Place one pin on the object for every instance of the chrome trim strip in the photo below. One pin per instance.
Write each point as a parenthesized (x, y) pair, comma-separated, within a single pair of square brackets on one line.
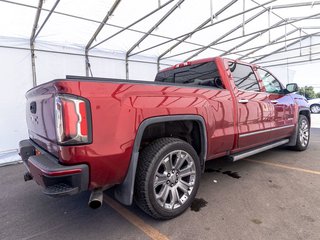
[(264, 131)]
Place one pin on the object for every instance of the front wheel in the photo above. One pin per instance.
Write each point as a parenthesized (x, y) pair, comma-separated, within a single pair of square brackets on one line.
[(303, 134), (167, 178)]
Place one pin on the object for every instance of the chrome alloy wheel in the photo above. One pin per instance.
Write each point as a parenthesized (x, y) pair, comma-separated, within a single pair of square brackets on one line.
[(304, 133), (174, 179), (315, 109)]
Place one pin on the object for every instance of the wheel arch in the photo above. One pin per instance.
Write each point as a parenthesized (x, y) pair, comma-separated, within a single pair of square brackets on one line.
[(306, 112), (303, 111), (124, 192)]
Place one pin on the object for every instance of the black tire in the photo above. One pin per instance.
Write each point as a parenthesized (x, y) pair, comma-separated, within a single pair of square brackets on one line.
[(303, 134), (315, 108), (153, 161)]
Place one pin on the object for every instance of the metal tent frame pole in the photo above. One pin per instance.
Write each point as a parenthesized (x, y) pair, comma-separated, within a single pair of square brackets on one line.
[(34, 29), (94, 21), (96, 33), (229, 51), (98, 22), (296, 62), (260, 5), (205, 27), (238, 37), (277, 7), (128, 53), (34, 35), (302, 4), (275, 43), (287, 58), (231, 39), (288, 50), (279, 49), (45, 21), (182, 38), (226, 34), (197, 28), (79, 54), (270, 43), (132, 24)]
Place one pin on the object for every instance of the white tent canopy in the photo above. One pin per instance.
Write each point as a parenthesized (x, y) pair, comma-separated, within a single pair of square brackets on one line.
[(43, 40)]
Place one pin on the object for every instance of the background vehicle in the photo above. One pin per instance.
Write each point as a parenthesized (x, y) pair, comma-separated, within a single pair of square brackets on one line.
[(314, 105), (151, 139)]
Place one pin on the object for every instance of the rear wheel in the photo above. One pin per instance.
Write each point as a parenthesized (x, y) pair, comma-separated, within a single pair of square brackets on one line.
[(303, 134), (315, 108), (167, 179)]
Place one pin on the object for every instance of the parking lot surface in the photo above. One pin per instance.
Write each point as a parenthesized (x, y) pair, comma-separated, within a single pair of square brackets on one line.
[(272, 195)]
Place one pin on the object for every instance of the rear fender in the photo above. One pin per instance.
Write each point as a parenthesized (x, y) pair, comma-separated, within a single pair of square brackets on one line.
[(124, 191)]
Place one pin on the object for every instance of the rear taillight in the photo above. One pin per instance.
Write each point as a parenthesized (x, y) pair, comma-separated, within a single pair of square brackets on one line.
[(72, 118)]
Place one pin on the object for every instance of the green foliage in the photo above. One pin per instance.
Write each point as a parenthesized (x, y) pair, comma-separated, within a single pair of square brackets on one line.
[(308, 92), (318, 95)]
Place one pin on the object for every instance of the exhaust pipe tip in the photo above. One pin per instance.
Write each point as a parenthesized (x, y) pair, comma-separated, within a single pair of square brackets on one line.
[(95, 204), (96, 198)]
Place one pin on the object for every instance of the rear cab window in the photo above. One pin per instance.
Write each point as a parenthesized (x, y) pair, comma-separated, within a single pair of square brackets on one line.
[(201, 74), (243, 77)]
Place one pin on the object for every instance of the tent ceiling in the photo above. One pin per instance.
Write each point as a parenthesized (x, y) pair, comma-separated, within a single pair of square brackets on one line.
[(168, 29)]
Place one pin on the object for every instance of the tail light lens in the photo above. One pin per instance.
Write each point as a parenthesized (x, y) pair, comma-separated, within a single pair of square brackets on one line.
[(73, 120)]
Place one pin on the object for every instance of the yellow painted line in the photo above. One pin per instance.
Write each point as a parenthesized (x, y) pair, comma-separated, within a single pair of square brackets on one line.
[(135, 220), (284, 166)]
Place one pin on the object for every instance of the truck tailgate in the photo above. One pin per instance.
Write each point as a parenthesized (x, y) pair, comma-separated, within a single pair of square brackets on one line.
[(40, 116)]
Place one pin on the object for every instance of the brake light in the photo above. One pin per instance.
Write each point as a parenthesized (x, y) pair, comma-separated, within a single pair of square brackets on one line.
[(179, 65), (72, 120)]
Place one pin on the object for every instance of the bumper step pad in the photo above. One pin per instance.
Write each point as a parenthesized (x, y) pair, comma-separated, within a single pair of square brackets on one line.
[(60, 189)]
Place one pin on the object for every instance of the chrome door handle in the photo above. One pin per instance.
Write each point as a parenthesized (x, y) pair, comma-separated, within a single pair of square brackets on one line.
[(274, 101), (243, 101)]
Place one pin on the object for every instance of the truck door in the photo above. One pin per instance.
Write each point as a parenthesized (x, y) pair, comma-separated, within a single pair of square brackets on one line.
[(282, 108), (253, 106)]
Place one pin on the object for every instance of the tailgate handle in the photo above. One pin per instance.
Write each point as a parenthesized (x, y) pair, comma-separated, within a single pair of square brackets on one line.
[(243, 101), (33, 107)]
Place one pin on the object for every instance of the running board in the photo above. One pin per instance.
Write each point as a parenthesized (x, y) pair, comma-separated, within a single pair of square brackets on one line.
[(248, 153)]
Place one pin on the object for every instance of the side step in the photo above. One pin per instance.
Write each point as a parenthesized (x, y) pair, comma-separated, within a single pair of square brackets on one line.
[(248, 153)]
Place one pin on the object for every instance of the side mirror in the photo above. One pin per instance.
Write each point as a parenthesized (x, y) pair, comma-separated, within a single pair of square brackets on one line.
[(292, 87)]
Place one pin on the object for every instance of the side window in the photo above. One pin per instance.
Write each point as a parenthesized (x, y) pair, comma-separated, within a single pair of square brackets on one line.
[(243, 76), (271, 84)]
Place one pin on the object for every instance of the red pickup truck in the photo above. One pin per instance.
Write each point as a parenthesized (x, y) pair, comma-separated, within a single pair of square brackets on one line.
[(151, 140)]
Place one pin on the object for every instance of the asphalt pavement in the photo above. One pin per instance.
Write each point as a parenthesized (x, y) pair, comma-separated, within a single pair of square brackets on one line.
[(272, 195)]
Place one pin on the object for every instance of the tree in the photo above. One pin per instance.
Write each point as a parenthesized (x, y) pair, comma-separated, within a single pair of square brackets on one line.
[(318, 95), (307, 91)]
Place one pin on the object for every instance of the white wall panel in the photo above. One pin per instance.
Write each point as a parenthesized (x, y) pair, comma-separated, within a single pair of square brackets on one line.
[(108, 68), (16, 79), (142, 71), (51, 66)]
